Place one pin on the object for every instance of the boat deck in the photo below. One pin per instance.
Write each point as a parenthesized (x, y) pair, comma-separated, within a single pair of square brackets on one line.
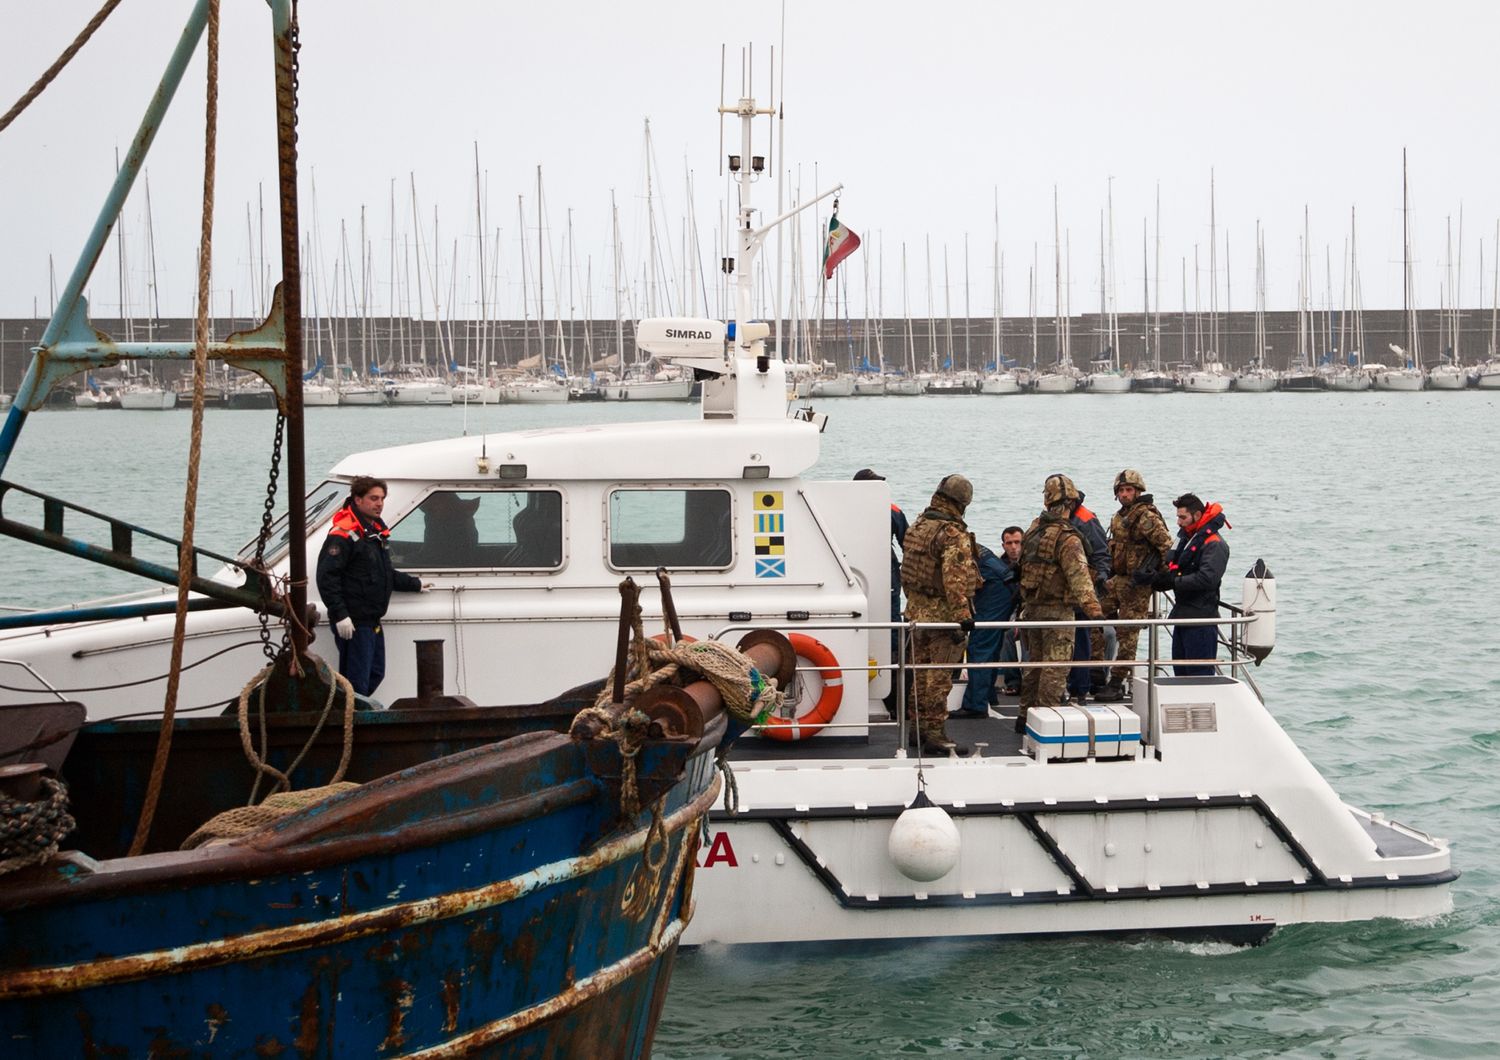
[(997, 732)]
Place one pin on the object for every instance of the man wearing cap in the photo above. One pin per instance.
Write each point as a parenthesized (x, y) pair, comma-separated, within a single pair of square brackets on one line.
[(1054, 582), (940, 572), (899, 526), (1138, 545)]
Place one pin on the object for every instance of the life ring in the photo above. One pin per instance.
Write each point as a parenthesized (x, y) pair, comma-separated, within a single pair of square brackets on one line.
[(810, 724)]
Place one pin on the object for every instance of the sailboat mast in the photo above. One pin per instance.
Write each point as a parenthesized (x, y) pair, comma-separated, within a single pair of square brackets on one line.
[(541, 327)]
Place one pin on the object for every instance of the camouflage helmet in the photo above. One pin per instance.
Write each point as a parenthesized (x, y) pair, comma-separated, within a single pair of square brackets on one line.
[(957, 489), (1130, 477), (1059, 489)]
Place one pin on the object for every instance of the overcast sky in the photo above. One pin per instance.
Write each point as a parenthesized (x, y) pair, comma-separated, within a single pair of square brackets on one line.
[(929, 113)]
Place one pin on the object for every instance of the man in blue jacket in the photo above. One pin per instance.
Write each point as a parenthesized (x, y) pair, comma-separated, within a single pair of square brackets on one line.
[(1193, 573), (995, 601), (356, 578)]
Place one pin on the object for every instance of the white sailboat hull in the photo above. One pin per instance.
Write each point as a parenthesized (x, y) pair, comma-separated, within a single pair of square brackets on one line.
[(841, 385), (1000, 383), (1055, 383), (148, 398), (1489, 377), (536, 393), (1108, 383), (903, 386), (869, 386), (1350, 381), (1447, 377), (649, 390), (423, 393), (363, 395), (1399, 379), (1254, 382), (319, 396), (1207, 383)]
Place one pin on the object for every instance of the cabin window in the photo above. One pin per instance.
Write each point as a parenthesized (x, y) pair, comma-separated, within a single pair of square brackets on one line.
[(481, 530), (673, 528)]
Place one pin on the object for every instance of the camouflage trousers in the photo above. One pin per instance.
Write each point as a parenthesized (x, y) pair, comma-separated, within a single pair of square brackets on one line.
[(1044, 687), (930, 688), (1125, 599)]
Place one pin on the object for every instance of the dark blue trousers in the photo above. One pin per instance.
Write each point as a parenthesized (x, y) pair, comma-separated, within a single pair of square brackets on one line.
[(1194, 642), (1078, 677), (362, 657), (984, 647)]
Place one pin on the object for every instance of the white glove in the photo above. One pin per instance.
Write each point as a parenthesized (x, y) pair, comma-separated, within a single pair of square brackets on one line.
[(344, 627), (426, 587)]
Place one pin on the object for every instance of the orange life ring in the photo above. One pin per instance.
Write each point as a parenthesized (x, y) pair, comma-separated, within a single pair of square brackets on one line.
[(811, 723)]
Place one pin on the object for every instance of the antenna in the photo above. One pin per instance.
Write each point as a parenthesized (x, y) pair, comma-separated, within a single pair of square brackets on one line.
[(722, 49), (770, 140)]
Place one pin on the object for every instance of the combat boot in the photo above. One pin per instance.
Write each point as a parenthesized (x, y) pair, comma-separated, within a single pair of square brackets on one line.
[(1113, 692)]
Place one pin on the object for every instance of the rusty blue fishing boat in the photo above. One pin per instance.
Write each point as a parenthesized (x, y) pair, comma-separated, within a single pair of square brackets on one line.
[(439, 878)]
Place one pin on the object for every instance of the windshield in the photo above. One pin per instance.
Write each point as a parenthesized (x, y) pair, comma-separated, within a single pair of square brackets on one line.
[(322, 502)]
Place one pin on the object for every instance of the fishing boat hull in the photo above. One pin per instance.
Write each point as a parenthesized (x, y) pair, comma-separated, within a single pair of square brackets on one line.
[(492, 901)]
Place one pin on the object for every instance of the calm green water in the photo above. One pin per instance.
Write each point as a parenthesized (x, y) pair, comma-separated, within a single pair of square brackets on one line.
[(1380, 518)]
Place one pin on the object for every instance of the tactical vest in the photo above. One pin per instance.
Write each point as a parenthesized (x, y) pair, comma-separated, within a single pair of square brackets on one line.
[(1130, 546), (1042, 580), (922, 556)]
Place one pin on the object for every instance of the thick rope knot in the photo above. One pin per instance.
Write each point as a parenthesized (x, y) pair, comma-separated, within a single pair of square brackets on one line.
[(31, 831)]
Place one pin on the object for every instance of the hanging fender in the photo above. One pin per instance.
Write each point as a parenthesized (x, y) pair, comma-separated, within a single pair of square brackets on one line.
[(816, 653)]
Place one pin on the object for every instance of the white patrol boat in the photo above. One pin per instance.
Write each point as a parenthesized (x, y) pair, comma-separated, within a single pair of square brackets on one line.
[(1189, 812)]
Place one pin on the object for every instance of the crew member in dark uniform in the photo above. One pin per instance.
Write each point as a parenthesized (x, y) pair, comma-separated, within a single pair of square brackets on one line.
[(356, 578), (1194, 570)]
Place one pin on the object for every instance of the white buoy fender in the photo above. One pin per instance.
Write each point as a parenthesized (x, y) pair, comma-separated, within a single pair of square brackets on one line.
[(924, 841), (1259, 601)]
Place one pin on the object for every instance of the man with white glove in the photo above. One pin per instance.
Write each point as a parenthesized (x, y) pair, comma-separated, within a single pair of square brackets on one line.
[(356, 579)]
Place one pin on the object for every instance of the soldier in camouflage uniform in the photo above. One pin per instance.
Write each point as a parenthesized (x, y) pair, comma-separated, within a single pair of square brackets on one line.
[(1054, 581), (939, 573), (1138, 545)]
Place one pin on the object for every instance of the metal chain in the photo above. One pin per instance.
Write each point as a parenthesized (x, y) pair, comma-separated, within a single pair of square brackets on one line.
[(267, 516), (266, 588)]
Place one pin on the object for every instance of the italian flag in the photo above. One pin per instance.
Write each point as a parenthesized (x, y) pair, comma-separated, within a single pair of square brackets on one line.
[(841, 243)]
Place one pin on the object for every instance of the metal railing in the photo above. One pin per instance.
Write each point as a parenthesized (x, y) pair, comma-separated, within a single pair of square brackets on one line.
[(1152, 663)]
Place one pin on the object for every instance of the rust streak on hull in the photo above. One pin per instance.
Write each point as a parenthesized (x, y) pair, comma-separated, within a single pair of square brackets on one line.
[(37, 982)]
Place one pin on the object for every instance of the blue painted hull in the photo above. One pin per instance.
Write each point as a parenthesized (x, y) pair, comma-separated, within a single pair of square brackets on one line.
[(489, 901)]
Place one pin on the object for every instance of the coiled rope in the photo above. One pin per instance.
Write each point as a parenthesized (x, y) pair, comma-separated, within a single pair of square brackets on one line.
[(31, 831)]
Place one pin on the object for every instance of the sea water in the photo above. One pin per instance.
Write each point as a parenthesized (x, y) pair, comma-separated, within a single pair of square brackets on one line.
[(1378, 515)]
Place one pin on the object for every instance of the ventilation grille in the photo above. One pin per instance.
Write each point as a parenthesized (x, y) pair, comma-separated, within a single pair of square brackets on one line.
[(1190, 717)]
